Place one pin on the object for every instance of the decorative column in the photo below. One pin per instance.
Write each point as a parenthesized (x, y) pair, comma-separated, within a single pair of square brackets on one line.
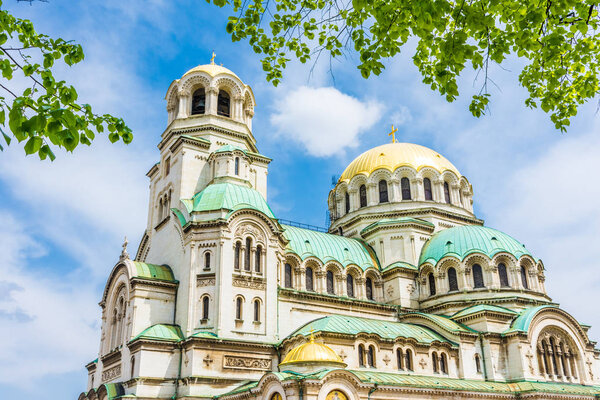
[(319, 284), (184, 105), (419, 191), (372, 198), (249, 113), (438, 191), (341, 287), (212, 94), (354, 201), (378, 288), (465, 277), (359, 288), (238, 108), (394, 194), (455, 193)]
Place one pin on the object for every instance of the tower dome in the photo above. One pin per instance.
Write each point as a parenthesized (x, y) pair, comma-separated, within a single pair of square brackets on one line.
[(311, 354), (394, 155)]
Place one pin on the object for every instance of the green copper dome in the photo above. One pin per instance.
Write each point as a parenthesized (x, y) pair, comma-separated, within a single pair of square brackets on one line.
[(461, 241), (228, 196)]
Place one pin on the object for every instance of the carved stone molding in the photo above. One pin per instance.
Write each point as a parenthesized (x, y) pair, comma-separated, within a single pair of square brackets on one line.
[(200, 282), (239, 362), (111, 373), (249, 283)]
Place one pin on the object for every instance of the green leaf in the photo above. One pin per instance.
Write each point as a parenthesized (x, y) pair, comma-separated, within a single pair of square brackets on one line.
[(33, 145)]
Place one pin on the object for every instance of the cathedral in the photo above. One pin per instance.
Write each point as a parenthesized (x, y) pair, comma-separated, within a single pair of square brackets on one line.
[(406, 295)]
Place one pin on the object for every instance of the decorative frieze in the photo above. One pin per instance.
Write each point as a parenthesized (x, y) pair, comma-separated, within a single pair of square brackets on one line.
[(205, 281), (111, 373), (239, 362), (249, 283)]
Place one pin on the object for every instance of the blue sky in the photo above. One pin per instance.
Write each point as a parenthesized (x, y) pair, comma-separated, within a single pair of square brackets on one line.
[(62, 223)]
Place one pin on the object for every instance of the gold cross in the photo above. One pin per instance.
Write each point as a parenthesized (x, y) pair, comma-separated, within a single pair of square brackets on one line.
[(212, 59), (392, 134)]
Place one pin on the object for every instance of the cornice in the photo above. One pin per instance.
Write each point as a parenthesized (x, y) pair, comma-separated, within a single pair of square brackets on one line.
[(328, 298)]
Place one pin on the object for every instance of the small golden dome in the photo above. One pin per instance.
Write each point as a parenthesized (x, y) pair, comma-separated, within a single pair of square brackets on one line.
[(394, 155), (212, 70), (313, 352)]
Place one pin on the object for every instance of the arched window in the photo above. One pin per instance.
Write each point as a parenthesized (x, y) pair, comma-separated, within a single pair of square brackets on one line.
[(443, 363), (349, 285), (361, 355), (383, 191), (198, 102), (257, 258), (237, 255), (435, 362), (330, 288), (452, 281), (236, 169), (223, 104), (371, 356), (347, 202), (427, 189), (132, 371), (408, 364), (477, 276), (405, 187), (524, 277), (478, 363), (207, 260), (238, 308), (205, 305), (287, 275), (431, 280), (400, 359), (256, 310), (369, 288), (247, 254), (447, 193), (503, 275), (362, 191), (309, 279)]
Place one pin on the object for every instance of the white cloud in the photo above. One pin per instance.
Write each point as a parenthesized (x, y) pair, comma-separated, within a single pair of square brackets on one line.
[(323, 120), (401, 116)]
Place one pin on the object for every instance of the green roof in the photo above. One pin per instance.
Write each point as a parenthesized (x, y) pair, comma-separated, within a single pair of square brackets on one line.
[(228, 196), (327, 247), (461, 241), (198, 138), (392, 221), (522, 322), (442, 321), (205, 334), (166, 332), (389, 330), (153, 272), (481, 308), (400, 264)]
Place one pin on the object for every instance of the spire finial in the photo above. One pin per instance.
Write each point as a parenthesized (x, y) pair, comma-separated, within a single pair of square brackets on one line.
[(312, 334), (393, 133), (212, 59), (124, 254)]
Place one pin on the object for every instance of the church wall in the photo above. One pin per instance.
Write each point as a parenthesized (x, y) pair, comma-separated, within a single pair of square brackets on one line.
[(150, 306)]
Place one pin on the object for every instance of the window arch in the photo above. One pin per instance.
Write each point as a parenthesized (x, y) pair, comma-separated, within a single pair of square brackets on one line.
[(431, 280), (435, 362), (205, 307), (443, 363), (452, 281), (223, 104), (477, 276), (556, 355), (256, 310), (236, 167), (132, 369), (247, 254), (371, 356), (117, 325), (427, 189), (369, 288), (347, 202), (330, 283), (258, 259), (383, 191), (478, 363), (361, 355), (362, 191), (447, 193), (239, 305), (524, 277), (199, 102), (408, 361), (287, 272), (503, 275), (405, 188), (400, 358), (350, 285), (309, 279), (207, 260), (237, 255)]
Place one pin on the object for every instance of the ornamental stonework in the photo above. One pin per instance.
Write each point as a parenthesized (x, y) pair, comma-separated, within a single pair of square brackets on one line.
[(205, 282), (249, 284), (111, 373), (239, 362)]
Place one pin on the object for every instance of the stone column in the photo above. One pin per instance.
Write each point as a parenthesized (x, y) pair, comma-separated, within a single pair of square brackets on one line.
[(419, 191), (319, 281), (212, 94), (341, 285), (249, 112), (359, 288), (372, 195), (300, 275), (184, 105), (354, 201), (438, 191), (455, 194), (394, 190), (237, 108)]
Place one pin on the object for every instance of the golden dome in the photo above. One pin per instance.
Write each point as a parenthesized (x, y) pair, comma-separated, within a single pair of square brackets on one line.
[(394, 155), (312, 352), (211, 69)]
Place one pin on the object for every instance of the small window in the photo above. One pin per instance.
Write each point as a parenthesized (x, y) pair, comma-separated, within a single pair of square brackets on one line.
[(383, 191), (478, 276), (431, 279), (199, 102), (223, 104), (524, 277), (405, 187), (447, 193), (361, 355), (452, 281), (247, 254), (330, 283), (369, 288), (363, 195), (349, 285), (427, 189), (287, 275), (205, 305), (237, 256), (400, 359), (167, 165), (258, 258), (238, 308), (478, 363), (237, 166), (434, 361), (347, 202), (309, 279), (256, 310), (371, 356), (443, 363), (132, 366), (207, 260), (408, 364), (503, 275)]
